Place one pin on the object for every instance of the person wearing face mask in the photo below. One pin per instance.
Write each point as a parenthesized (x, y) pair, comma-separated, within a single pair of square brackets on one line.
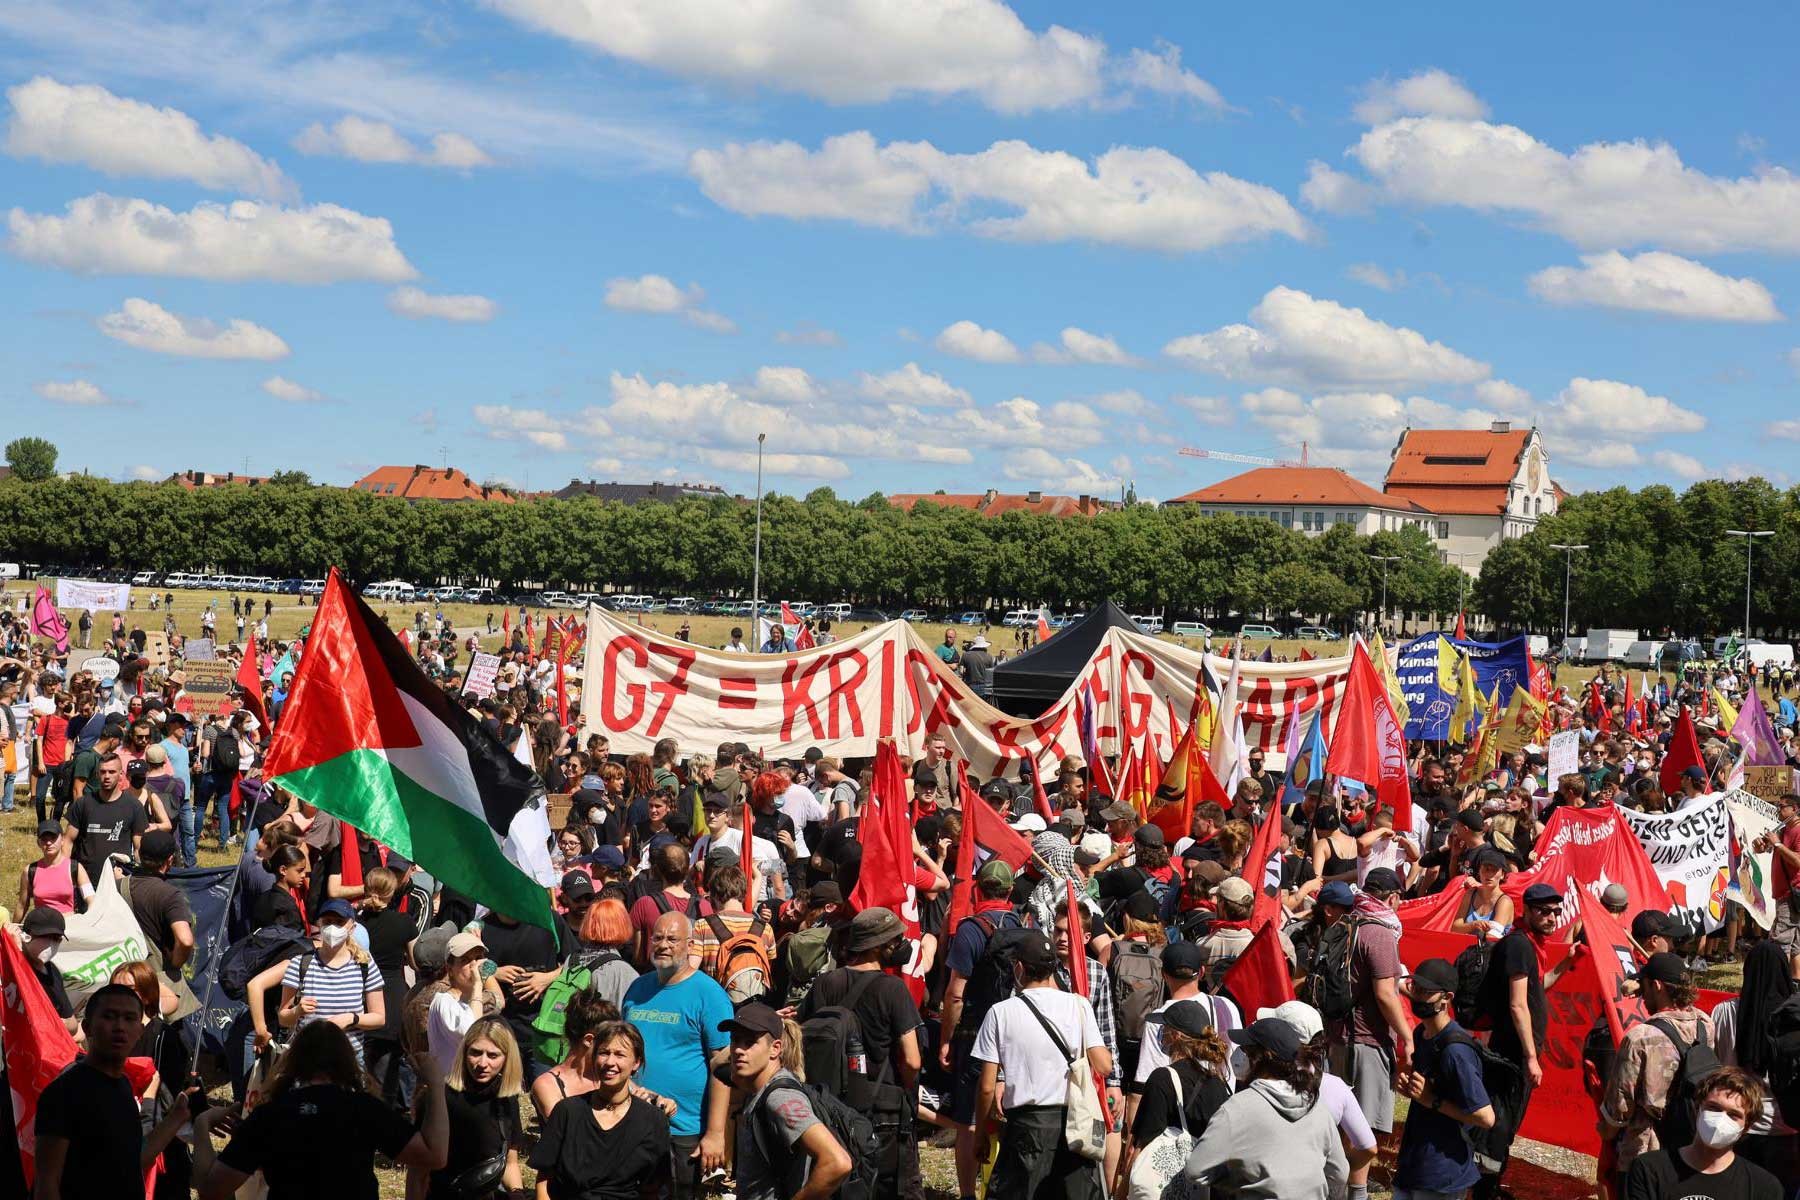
[(41, 935), (337, 981), (1643, 1073), (1446, 1090), (1709, 1167)]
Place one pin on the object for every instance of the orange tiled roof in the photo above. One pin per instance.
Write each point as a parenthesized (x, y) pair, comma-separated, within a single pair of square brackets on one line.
[(1297, 485), (1463, 501), (427, 483), (907, 500), (994, 504), (1456, 457)]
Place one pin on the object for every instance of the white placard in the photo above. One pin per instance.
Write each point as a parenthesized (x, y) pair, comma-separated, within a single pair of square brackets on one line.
[(1564, 755), (83, 593), (484, 668)]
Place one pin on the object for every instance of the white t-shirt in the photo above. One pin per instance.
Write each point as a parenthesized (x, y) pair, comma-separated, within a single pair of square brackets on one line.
[(763, 853), (1225, 1019), (802, 808), (446, 1021), (1036, 1072)]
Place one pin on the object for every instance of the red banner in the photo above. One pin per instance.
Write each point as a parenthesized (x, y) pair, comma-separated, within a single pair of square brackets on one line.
[(37, 1046)]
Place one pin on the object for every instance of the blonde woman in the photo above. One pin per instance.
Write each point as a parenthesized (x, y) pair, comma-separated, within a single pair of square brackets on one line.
[(483, 1105)]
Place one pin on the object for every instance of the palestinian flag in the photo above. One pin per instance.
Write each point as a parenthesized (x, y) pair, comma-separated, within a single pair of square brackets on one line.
[(366, 737)]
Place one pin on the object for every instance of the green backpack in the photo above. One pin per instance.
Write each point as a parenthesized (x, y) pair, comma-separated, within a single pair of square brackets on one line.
[(553, 1008), (808, 957)]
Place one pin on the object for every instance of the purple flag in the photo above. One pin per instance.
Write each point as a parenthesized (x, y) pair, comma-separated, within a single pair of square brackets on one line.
[(1755, 734), (47, 622)]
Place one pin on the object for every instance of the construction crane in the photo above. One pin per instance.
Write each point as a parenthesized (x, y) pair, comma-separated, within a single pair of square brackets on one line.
[(1254, 460)]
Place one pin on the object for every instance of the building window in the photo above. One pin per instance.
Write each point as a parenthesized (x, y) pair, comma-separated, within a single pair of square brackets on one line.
[(1443, 529), (1287, 520)]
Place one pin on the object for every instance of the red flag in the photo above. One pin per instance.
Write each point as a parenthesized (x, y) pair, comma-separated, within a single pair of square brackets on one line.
[(1256, 865), (350, 856), (1368, 745), (982, 829), (787, 615), (1684, 752), (804, 640), (747, 849), (47, 622), (1259, 978), (1038, 797), (1462, 633), (1631, 707), (1306, 655), (886, 879), (506, 630), (1136, 788), (1615, 956), (562, 691), (38, 1047), (1078, 975), (250, 680)]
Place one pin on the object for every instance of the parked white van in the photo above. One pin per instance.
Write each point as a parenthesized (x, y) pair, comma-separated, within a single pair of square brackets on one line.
[(836, 612), (392, 589)]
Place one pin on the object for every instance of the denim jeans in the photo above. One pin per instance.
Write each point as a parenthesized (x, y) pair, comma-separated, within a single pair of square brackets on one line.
[(40, 795), (215, 793), (9, 783), (187, 831)]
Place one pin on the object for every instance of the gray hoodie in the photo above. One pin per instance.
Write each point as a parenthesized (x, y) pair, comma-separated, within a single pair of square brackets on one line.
[(1269, 1143)]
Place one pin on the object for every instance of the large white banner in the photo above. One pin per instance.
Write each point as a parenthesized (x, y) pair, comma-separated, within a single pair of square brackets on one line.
[(99, 941), (1691, 851), (1751, 872), (886, 682), (83, 593)]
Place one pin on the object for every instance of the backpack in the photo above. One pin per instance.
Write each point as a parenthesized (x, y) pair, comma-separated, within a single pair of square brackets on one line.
[(1675, 1127), (62, 780), (742, 966), (31, 870), (1784, 1064), (660, 898), (553, 1008), (992, 979), (1327, 987), (1471, 984), (808, 955), (852, 1129), (225, 751), (832, 1046), (255, 953), (1138, 987)]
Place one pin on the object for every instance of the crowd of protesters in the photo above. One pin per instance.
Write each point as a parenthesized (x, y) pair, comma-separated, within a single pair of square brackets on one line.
[(691, 1028)]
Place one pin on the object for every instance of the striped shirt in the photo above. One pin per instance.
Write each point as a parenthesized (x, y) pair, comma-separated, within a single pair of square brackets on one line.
[(335, 990)]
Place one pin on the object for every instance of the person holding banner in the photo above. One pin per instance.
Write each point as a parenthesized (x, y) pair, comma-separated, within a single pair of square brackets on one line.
[(1784, 849)]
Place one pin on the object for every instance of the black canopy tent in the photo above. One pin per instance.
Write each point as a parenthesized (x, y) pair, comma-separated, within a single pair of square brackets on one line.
[(1027, 685)]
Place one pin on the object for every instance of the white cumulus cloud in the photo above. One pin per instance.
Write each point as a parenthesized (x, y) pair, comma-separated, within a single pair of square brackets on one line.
[(785, 385), (1056, 473), (966, 339), (149, 326), (658, 294), (1161, 72), (1432, 93), (1683, 466), (86, 124), (1376, 277), (1656, 282), (1507, 397), (1078, 345), (1623, 410), (1329, 190), (292, 393), (1208, 410), (913, 386), (378, 142), (1295, 339), (418, 305), (1143, 198), (239, 242), (78, 392), (1605, 195)]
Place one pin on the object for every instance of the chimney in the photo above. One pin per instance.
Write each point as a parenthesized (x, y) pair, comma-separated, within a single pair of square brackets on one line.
[(1034, 497), (1500, 427)]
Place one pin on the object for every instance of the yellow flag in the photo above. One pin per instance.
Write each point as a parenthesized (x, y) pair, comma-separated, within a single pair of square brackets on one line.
[(1727, 714), (1396, 697), (1468, 700)]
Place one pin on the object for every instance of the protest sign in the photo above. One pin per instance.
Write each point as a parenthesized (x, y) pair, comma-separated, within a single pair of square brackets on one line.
[(199, 650), (1563, 754), (209, 686), (82, 593), (1751, 871), (1690, 850), (156, 648), (1768, 782), (100, 667), (484, 668), (885, 682)]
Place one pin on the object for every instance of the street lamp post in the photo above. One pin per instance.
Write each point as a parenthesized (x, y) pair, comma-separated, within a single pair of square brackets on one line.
[(1749, 536), (756, 553), (1384, 560), (1568, 549)]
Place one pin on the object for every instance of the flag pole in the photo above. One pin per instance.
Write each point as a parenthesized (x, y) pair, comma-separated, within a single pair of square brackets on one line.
[(756, 554)]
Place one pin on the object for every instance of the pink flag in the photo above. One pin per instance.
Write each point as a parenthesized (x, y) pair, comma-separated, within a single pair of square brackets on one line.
[(1755, 734), (47, 622)]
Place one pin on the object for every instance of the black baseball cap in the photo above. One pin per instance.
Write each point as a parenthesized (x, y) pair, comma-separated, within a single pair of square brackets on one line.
[(1271, 1034), (1470, 819), (1651, 923), (1035, 951), (755, 1020), (155, 846), (44, 922), (1148, 835), (1181, 958), (1541, 895), (576, 885), (1663, 967), (1188, 1016), (48, 829), (1434, 975), (1382, 881)]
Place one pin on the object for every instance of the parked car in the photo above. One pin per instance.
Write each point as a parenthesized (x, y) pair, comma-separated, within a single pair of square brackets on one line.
[(971, 618), (1148, 624), (915, 615), (1191, 629), (1318, 633), (1265, 632)]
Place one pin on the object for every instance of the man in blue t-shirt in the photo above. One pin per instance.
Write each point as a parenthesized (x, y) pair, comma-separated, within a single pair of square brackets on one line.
[(1446, 1090), (678, 1010)]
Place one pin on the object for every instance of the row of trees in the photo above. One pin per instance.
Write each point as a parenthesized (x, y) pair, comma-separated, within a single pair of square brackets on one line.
[(1656, 561), (820, 548)]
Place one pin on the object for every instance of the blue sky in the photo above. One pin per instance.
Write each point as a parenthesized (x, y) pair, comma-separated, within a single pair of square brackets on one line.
[(928, 244)]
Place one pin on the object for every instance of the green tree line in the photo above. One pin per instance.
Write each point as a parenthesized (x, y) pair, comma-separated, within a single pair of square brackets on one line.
[(821, 547), (1657, 561)]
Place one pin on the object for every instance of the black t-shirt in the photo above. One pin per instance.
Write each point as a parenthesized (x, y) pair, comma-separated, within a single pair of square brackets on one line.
[(481, 1127), (277, 906), (317, 1140), (51, 977), (1120, 882), (1665, 1175), (389, 933), (525, 946), (105, 829), (1514, 954), (1202, 1093), (99, 1116), (769, 825), (158, 904), (582, 1161), (885, 1011)]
